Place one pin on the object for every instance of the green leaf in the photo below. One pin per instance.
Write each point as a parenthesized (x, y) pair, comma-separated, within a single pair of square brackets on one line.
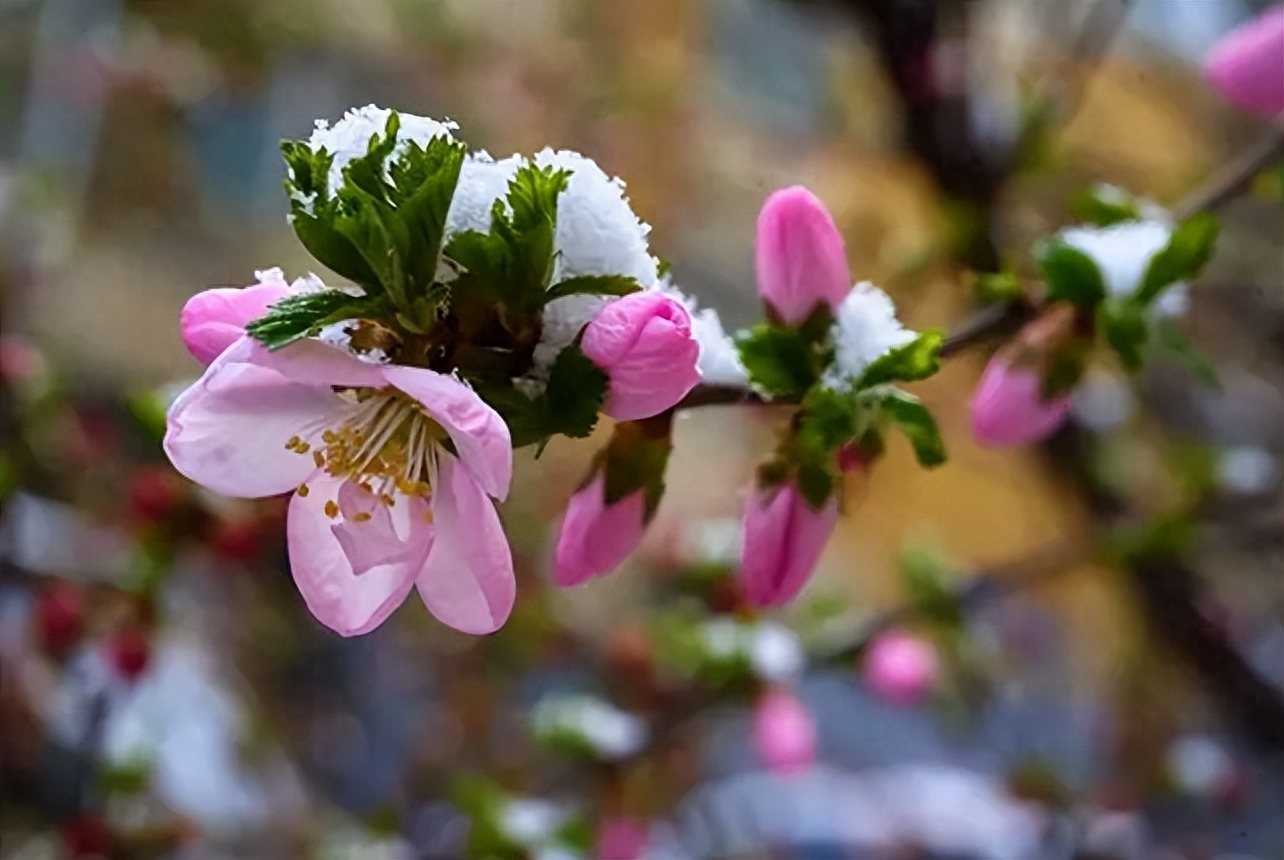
[(994, 287), (1070, 274), (1170, 338), (918, 359), (636, 459), (593, 285), (1065, 368), (1104, 205), (1188, 250), (1124, 326), (530, 232), (303, 315), (423, 186), (576, 389), (913, 419), (928, 578), (778, 360), (827, 421), (816, 482)]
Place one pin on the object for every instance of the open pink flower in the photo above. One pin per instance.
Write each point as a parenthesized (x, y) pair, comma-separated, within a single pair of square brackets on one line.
[(901, 668), (213, 320), (781, 544), (784, 733), (595, 538), (643, 341), (391, 469), (1247, 64), (799, 255), (1008, 408)]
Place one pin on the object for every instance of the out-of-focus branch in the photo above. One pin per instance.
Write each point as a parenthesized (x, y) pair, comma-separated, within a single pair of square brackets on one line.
[(1234, 177)]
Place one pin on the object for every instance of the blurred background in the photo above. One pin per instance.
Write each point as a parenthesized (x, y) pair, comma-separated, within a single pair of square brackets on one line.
[(164, 692)]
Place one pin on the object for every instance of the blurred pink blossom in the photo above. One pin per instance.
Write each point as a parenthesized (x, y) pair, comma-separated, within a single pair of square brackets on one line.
[(784, 733), (901, 668), (643, 341), (620, 837), (1247, 64), (799, 255)]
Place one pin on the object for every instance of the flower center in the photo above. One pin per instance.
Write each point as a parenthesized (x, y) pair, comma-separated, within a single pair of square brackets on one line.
[(386, 444)]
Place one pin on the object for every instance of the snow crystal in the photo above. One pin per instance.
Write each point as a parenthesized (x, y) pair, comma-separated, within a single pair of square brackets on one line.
[(1122, 252), (866, 328), (482, 181), (349, 138), (597, 231)]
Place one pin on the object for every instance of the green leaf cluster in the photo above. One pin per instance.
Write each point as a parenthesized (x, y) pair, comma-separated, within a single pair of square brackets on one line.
[(383, 227), (569, 403)]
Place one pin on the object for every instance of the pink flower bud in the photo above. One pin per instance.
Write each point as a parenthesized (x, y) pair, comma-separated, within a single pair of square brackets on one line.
[(643, 341), (781, 544), (799, 255), (1008, 408), (596, 538), (620, 838), (1247, 64), (901, 668), (213, 320), (784, 733)]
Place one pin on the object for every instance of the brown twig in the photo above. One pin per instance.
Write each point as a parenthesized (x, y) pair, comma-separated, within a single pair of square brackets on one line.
[(1234, 177)]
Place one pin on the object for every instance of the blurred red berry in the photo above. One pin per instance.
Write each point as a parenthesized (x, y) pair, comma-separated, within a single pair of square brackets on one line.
[(239, 540), (86, 837), (60, 618), (154, 492), (130, 652)]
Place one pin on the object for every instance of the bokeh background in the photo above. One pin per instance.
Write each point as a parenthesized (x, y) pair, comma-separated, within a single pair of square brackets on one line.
[(164, 693)]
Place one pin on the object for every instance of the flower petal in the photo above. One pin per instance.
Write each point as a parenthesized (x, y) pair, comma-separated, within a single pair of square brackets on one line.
[(343, 600), (481, 437), (468, 579), (371, 533), (315, 362), (228, 430), (212, 320)]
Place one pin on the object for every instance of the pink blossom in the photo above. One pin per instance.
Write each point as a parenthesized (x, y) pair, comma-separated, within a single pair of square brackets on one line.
[(1247, 64), (799, 255), (1008, 408), (784, 733), (620, 837), (781, 544), (212, 320), (901, 668), (595, 537), (380, 505), (643, 341)]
